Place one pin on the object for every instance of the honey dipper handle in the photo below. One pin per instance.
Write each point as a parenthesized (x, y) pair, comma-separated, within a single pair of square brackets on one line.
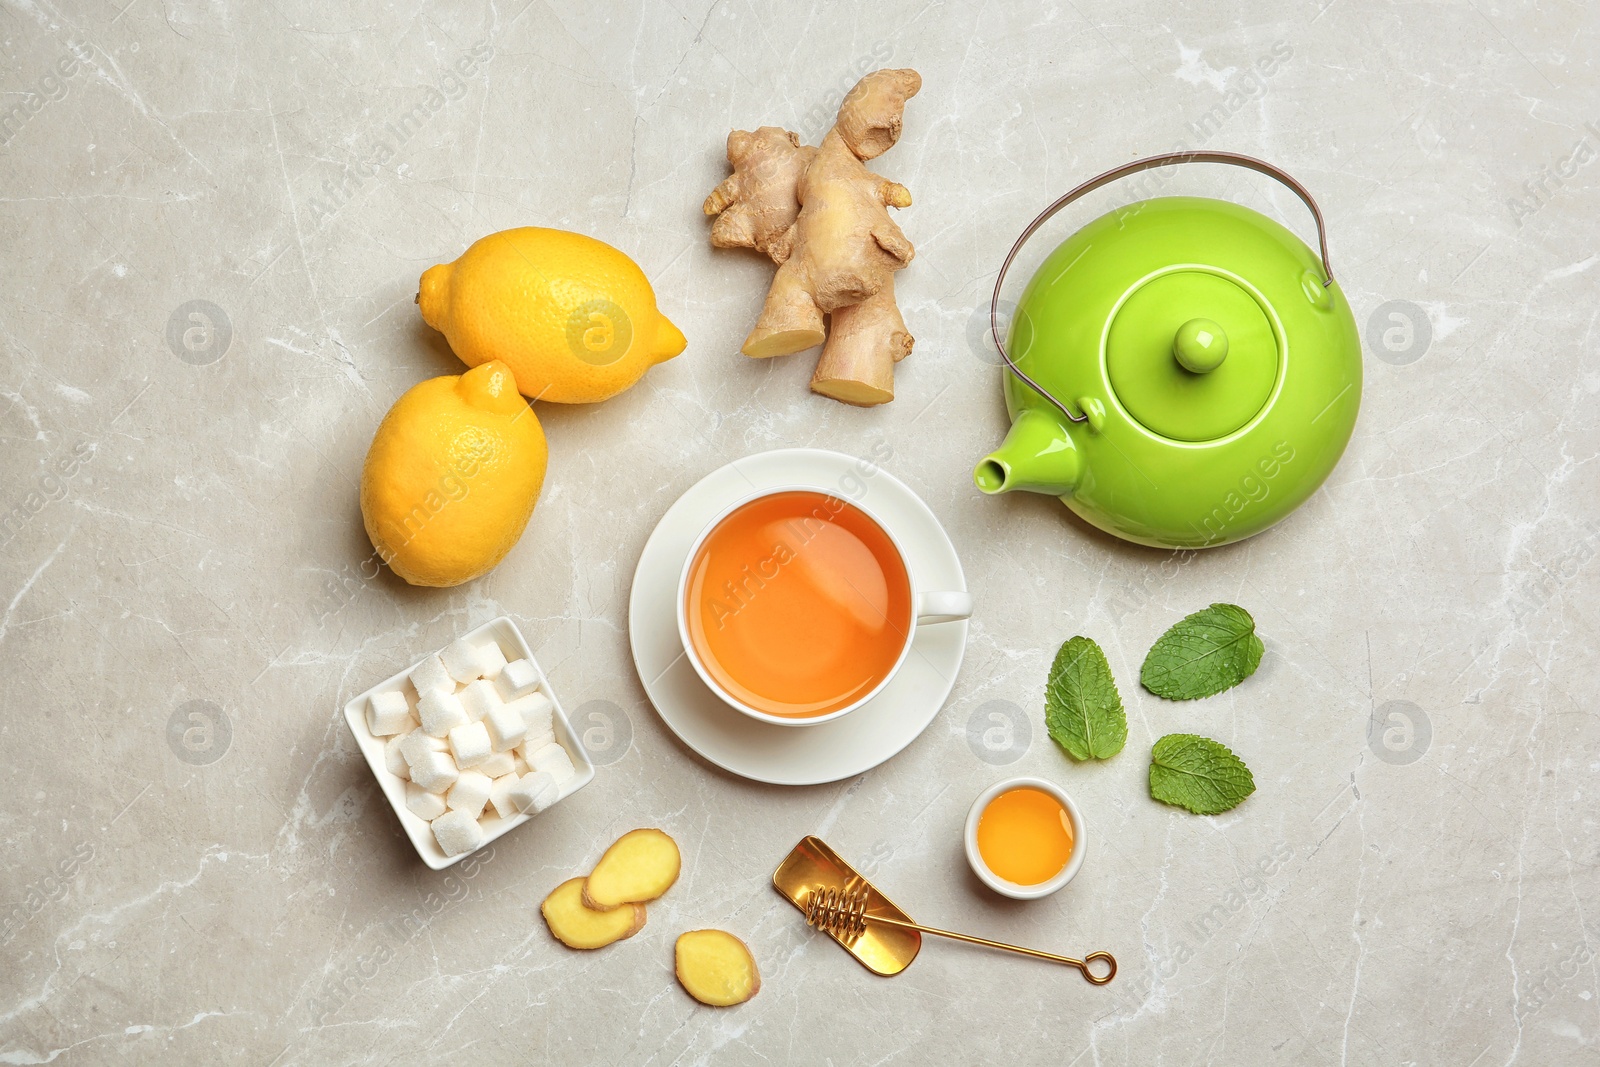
[(1082, 965)]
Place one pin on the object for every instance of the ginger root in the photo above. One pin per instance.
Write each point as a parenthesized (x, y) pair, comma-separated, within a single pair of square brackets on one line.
[(758, 202), (823, 217)]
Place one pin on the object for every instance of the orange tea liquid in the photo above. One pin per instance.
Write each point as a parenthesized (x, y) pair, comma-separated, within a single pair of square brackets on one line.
[(1025, 836), (798, 604)]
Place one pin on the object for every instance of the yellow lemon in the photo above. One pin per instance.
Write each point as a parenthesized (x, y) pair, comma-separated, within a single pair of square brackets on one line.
[(573, 318), (452, 476)]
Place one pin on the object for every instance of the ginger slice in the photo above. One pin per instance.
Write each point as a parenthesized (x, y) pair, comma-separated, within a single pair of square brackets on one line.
[(639, 866), (716, 968), (577, 926)]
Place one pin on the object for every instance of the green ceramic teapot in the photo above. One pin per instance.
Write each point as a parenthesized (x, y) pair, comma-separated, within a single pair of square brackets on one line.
[(1183, 372)]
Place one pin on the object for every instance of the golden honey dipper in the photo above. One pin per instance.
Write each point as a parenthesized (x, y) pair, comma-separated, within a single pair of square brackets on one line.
[(836, 899), (845, 916)]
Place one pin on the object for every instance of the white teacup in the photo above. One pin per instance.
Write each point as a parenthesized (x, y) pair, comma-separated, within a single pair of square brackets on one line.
[(927, 607)]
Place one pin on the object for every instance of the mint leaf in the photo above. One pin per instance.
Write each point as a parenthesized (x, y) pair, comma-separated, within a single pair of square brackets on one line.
[(1203, 654), (1082, 708), (1198, 774)]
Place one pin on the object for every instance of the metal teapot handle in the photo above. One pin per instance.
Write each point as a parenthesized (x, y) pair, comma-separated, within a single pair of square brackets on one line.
[(1116, 173)]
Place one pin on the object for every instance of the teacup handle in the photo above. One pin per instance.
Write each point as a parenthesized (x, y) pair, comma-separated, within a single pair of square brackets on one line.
[(943, 607)]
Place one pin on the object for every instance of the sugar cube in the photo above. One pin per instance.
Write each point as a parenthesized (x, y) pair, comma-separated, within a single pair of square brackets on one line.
[(541, 789), (433, 770), (479, 698), (392, 758), (419, 739), (467, 661), (499, 764), (500, 795), (457, 831), (537, 711), (417, 744), (387, 713), (490, 659), (531, 744), (441, 712), (526, 794), (515, 679), (519, 766), (470, 743), (506, 727), (430, 675), (470, 793), (423, 804), (553, 760)]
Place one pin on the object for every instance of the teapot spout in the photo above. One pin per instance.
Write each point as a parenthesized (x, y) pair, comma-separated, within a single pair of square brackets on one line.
[(1037, 456)]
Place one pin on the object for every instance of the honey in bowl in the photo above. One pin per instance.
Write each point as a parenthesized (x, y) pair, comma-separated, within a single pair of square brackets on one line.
[(1025, 836), (798, 604)]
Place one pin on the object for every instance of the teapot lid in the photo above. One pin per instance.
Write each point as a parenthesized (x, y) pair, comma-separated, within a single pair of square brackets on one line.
[(1192, 354), (1193, 350)]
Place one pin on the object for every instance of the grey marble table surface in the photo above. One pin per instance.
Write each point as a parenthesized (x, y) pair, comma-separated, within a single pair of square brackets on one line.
[(197, 865)]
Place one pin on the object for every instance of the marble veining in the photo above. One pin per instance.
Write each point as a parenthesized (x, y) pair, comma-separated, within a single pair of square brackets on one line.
[(214, 216)]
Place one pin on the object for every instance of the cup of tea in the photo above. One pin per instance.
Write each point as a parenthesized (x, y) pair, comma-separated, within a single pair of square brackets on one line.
[(796, 606)]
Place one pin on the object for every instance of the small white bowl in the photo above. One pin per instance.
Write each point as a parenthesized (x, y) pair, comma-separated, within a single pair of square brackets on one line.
[(504, 633), (1011, 889)]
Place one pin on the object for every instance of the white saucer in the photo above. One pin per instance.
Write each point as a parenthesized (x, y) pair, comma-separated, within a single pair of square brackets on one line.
[(785, 755)]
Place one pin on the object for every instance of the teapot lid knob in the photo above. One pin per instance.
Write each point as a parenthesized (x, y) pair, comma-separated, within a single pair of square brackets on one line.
[(1200, 346)]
